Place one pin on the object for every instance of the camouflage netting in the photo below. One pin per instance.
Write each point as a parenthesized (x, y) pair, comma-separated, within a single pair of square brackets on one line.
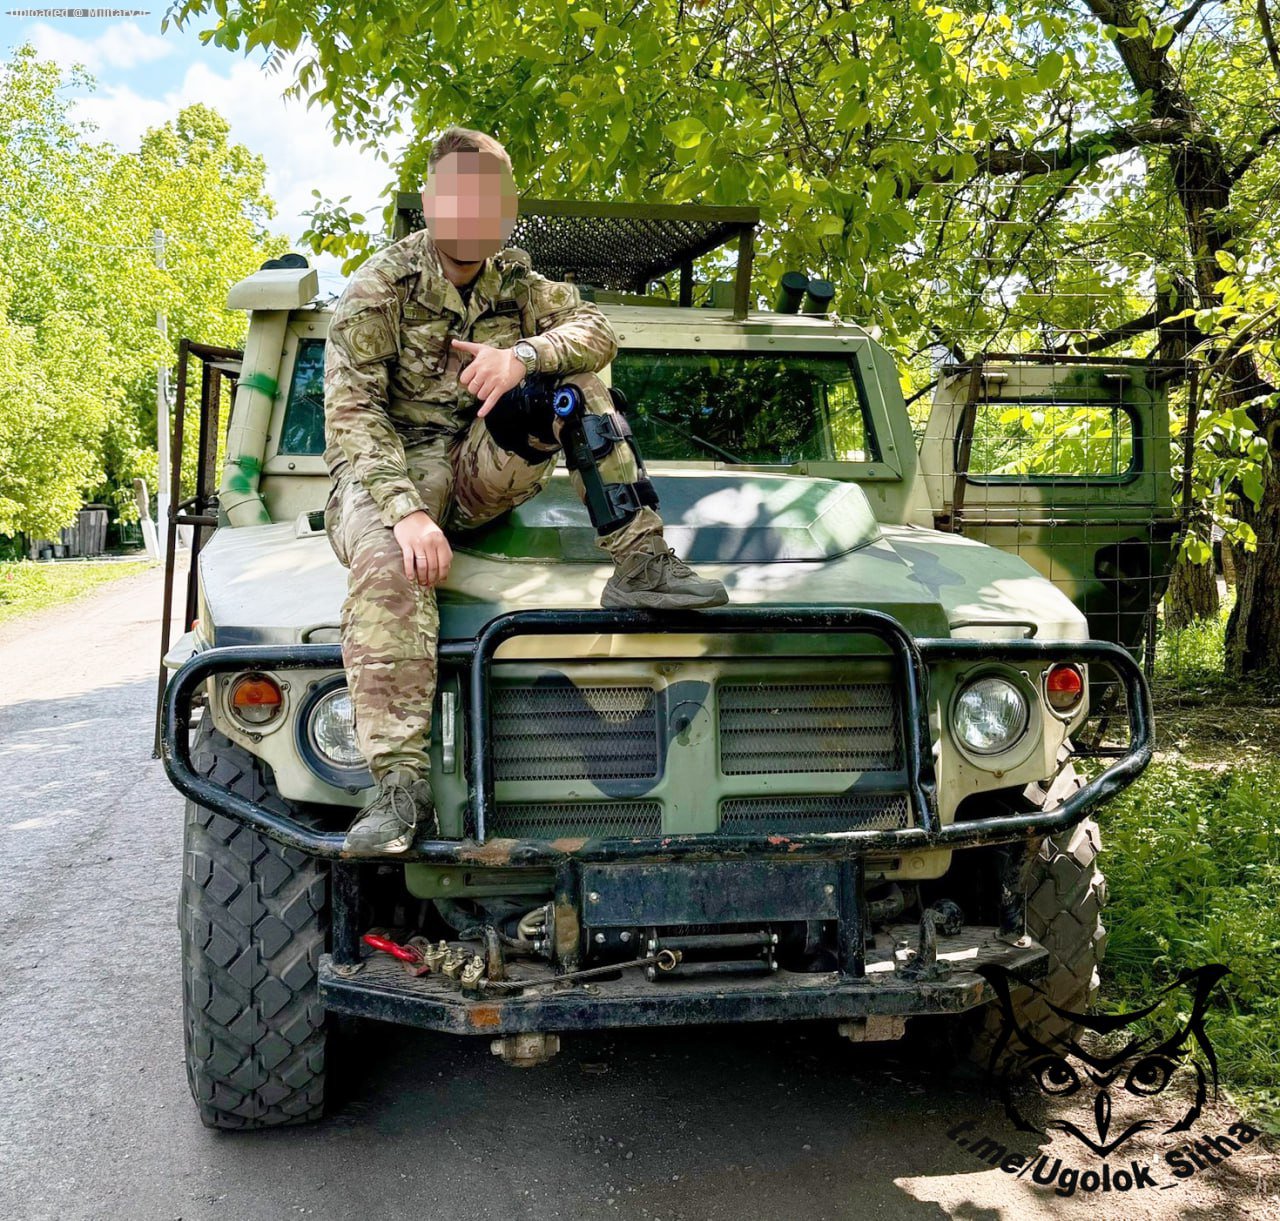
[(615, 247)]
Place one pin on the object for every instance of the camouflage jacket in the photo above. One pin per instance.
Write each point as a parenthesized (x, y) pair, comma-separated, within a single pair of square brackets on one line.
[(391, 374)]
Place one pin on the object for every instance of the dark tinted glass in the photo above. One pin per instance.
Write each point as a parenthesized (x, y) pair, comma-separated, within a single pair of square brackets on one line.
[(744, 407), (303, 431)]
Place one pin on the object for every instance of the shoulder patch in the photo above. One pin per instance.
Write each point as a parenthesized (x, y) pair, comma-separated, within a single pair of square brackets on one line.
[(550, 297), (369, 335)]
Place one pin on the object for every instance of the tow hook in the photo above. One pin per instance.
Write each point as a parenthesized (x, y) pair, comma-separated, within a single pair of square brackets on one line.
[(922, 963)]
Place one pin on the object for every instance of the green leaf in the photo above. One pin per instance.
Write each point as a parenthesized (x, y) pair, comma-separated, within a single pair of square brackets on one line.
[(1049, 69), (1197, 551), (1251, 482), (886, 187), (852, 113), (686, 132)]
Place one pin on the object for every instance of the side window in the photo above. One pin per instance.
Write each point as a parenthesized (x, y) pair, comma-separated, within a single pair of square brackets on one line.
[(1021, 442), (303, 431)]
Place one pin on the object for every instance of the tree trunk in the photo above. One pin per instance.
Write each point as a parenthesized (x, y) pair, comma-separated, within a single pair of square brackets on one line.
[(1228, 564), (1253, 628), (1192, 595)]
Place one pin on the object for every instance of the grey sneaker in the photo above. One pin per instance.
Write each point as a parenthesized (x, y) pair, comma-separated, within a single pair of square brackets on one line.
[(388, 824), (652, 576)]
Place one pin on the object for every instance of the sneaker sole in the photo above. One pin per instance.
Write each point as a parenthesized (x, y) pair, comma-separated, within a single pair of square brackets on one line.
[(391, 848), (644, 600)]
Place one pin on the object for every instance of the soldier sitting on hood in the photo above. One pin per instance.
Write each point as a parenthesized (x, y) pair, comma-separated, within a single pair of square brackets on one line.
[(442, 357)]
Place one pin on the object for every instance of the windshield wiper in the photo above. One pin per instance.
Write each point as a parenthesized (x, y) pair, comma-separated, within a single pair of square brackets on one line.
[(697, 440)]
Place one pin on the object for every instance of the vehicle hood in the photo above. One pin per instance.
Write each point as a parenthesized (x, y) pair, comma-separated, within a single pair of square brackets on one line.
[(775, 540)]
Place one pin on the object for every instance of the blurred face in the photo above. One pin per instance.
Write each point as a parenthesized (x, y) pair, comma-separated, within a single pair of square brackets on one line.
[(469, 204)]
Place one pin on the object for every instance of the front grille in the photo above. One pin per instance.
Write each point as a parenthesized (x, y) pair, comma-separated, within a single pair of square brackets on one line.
[(560, 731), (595, 819), (767, 729), (839, 812)]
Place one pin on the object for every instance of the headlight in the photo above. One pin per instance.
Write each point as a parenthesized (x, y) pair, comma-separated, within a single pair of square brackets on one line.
[(990, 715), (332, 731), (326, 735)]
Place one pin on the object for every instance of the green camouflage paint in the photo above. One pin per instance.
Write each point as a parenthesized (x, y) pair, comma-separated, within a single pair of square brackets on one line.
[(851, 536)]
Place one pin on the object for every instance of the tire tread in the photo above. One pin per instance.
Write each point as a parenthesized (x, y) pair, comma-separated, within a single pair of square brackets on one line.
[(253, 919)]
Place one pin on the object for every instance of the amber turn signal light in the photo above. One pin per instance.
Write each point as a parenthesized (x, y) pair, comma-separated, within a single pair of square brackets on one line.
[(256, 699)]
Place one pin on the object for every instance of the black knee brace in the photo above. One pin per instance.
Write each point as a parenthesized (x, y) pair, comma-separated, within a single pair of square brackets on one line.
[(588, 440), (524, 415)]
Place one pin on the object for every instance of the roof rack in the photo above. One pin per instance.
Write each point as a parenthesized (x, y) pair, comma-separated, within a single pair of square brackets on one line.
[(620, 246)]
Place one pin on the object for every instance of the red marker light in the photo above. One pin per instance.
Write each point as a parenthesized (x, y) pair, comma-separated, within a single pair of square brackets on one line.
[(1064, 686)]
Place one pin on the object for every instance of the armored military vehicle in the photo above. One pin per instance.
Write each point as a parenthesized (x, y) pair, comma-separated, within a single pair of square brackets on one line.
[(834, 799)]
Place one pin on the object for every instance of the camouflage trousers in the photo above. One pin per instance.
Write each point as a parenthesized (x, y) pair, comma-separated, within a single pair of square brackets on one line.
[(390, 624)]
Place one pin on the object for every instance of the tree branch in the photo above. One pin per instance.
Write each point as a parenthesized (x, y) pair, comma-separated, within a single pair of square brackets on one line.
[(1242, 166), (1029, 162), (1188, 17), (1099, 342), (1269, 35), (1074, 155)]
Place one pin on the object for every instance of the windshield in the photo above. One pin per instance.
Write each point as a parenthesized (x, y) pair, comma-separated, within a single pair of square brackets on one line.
[(739, 407), (745, 407)]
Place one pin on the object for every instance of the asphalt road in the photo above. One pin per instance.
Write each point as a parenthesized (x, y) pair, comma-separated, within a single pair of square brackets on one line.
[(96, 1120)]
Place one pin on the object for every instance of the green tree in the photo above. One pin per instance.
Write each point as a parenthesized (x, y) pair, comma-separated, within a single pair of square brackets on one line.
[(79, 348), (1008, 176)]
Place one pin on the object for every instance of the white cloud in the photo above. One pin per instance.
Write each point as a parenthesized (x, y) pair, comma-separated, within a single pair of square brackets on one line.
[(124, 45), (295, 142)]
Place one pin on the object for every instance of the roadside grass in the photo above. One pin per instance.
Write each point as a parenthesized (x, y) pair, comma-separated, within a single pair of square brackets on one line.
[(1192, 858), (27, 586)]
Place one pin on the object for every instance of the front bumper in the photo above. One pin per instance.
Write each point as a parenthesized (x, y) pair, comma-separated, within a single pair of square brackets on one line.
[(377, 987), (685, 880)]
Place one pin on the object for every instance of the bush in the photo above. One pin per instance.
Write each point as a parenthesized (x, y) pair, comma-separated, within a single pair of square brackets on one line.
[(1193, 656)]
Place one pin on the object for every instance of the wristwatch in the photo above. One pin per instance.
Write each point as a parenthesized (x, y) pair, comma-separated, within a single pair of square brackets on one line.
[(527, 354)]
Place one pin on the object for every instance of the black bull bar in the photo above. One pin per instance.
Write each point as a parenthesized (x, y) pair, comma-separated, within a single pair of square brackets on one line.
[(910, 658)]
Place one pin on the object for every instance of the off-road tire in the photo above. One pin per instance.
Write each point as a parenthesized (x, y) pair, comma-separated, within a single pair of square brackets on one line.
[(253, 916), (1065, 894)]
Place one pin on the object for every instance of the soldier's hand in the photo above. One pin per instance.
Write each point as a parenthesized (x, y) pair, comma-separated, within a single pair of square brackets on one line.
[(491, 373), (423, 548)]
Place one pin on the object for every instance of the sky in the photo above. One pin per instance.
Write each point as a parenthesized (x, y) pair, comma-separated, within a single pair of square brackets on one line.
[(145, 77)]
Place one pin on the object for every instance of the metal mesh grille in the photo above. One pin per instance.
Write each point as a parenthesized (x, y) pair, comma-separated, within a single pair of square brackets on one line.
[(838, 812), (565, 732), (769, 730), (614, 247), (590, 818)]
